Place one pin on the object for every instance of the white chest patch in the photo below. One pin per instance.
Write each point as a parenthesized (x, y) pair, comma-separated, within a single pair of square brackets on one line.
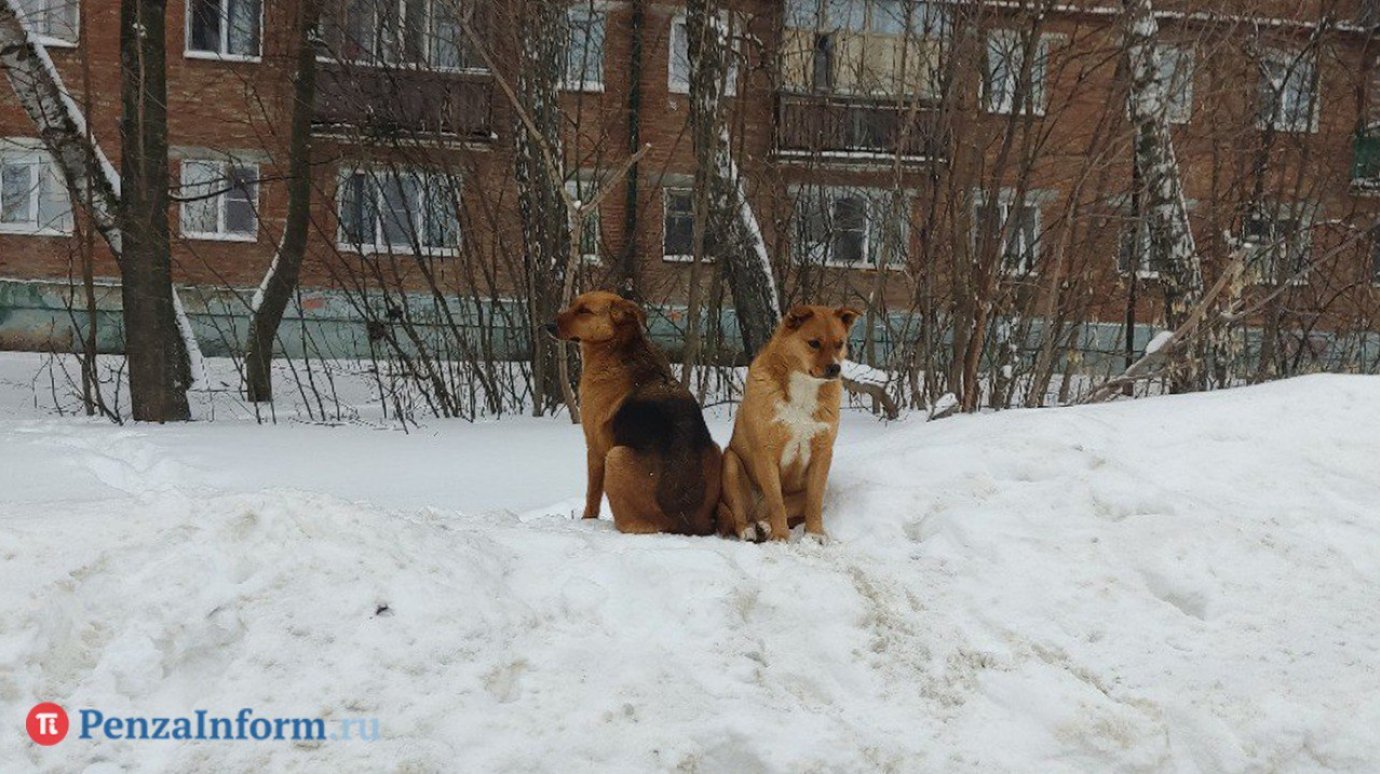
[(797, 415)]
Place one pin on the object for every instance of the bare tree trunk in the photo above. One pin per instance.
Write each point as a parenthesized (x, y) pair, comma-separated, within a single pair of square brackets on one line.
[(1171, 238), (541, 203), (159, 372), (271, 300), (630, 262)]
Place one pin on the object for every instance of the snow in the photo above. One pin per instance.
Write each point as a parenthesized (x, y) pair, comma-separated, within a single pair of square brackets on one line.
[(1184, 583), (1159, 342)]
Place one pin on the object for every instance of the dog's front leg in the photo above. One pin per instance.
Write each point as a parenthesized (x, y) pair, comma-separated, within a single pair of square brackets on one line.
[(815, 480), (775, 502), (594, 493)]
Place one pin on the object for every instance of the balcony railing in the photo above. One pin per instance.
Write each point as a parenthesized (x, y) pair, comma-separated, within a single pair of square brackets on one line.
[(855, 129), (1365, 162), (412, 103)]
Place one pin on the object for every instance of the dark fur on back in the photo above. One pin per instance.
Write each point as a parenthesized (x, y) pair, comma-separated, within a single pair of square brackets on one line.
[(661, 416)]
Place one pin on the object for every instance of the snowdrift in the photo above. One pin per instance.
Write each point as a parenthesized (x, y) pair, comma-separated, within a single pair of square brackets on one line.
[(1181, 584)]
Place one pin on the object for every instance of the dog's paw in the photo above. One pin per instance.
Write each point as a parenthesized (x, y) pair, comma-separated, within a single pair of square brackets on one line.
[(749, 534), (818, 538)]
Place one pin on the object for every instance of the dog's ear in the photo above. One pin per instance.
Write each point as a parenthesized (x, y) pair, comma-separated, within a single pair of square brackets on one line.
[(848, 315), (623, 311), (797, 316)]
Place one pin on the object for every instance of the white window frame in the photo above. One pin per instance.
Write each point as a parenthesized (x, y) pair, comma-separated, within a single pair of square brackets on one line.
[(30, 153), (380, 244), (1290, 61), (821, 253), (1006, 201), (1302, 242), (666, 193), (680, 37), (859, 18), (225, 168), (1037, 95), (594, 9), (222, 55), (50, 41), (574, 186), (1138, 230)]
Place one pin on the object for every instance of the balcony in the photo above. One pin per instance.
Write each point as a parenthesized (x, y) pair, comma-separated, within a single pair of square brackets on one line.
[(855, 130), (407, 103)]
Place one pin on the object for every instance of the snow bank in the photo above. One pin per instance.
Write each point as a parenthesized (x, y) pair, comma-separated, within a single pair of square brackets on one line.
[(1181, 583)]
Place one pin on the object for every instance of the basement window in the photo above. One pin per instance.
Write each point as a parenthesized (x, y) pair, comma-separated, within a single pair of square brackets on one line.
[(224, 29), (33, 199)]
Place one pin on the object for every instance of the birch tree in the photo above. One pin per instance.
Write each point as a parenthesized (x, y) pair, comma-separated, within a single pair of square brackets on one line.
[(731, 232), (1166, 213), (131, 218)]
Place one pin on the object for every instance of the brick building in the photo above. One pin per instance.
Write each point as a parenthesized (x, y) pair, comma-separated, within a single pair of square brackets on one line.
[(900, 154)]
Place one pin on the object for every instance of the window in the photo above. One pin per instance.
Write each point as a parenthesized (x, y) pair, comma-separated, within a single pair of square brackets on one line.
[(1134, 251), (584, 64), (1006, 51), (678, 225), (1176, 70), (33, 198), (425, 33), (847, 227), (227, 29), (220, 200), (679, 61), (877, 47), (583, 190), (1289, 92), (387, 210), (1016, 228), (52, 20), (1277, 245)]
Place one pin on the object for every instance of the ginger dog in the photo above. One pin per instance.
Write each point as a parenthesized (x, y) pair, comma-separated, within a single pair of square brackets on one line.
[(647, 444), (777, 463)]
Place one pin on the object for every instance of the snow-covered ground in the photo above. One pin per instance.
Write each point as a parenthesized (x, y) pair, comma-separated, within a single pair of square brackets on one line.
[(1174, 584)]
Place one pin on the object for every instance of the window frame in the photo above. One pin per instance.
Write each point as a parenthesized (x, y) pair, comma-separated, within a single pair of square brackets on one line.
[(930, 25), (666, 193), (1037, 96), (225, 172), (381, 246), (1006, 202), (222, 55), (679, 31), (594, 8), (1289, 60), (50, 41), (30, 153), (327, 56), (1301, 242), (574, 186), (822, 253)]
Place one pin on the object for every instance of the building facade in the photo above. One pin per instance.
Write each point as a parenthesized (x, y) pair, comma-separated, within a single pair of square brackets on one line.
[(944, 164)]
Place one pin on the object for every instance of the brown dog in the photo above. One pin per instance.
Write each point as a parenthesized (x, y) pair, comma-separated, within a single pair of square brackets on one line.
[(777, 464), (647, 443)]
